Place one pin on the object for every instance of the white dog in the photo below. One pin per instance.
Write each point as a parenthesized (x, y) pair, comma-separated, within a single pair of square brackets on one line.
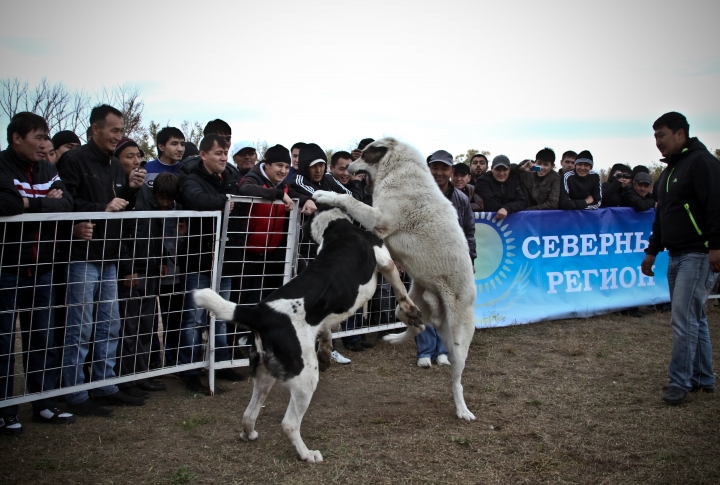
[(420, 228)]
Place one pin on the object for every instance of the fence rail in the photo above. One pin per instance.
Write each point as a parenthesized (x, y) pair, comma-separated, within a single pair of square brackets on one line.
[(78, 315)]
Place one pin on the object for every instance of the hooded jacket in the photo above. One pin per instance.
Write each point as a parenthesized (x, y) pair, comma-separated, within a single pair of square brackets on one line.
[(305, 185), (496, 195), (688, 211), (575, 190), (203, 191), (630, 198), (29, 248), (94, 178)]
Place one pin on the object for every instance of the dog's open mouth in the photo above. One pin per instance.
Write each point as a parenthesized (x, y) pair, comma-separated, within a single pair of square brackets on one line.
[(368, 181)]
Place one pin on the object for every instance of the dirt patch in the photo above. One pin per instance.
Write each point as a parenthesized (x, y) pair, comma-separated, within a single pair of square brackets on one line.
[(574, 401)]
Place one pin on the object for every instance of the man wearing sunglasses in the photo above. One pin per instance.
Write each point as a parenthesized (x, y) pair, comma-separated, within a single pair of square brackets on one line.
[(612, 190)]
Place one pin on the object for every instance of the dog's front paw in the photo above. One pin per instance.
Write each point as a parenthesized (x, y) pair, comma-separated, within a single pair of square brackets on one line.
[(325, 197), (248, 437), (465, 414), (312, 456)]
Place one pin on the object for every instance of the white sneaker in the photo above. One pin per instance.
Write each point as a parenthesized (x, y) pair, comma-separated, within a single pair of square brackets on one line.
[(442, 360), (424, 363), (338, 357)]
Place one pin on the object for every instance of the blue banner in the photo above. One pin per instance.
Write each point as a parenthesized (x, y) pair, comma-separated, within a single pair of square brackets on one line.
[(541, 265)]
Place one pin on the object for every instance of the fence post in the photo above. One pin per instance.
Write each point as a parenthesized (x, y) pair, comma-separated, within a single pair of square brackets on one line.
[(220, 237), (292, 238)]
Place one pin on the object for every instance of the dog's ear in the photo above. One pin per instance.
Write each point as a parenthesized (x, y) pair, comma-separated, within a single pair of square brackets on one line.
[(373, 155)]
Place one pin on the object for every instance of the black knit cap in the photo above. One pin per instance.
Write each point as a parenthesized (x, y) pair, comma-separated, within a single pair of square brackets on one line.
[(364, 142), (63, 138), (638, 169), (461, 168), (190, 150), (620, 166), (123, 144), (278, 153), (586, 157), (311, 152)]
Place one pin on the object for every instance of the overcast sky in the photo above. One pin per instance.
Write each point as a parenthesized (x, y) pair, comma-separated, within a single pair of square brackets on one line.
[(507, 77)]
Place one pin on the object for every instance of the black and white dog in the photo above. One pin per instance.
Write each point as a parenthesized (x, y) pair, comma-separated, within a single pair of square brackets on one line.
[(287, 323)]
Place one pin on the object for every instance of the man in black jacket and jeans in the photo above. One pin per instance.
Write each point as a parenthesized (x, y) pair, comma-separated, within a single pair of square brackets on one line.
[(687, 223), (205, 189), (98, 183), (28, 184), (500, 192)]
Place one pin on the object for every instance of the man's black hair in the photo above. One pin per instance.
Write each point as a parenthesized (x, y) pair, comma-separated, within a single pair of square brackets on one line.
[(479, 155), (570, 154), (337, 156), (100, 112), (166, 185), (674, 121), (88, 133), (546, 155), (208, 141), (190, 150), (217, 127), (298, 145), (25, 122), (166, 133)]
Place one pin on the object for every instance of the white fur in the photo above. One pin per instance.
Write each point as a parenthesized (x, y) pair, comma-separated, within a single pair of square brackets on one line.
[(420, 229)]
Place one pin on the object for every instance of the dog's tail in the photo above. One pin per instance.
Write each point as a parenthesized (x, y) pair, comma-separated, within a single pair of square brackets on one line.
[(223, 309)]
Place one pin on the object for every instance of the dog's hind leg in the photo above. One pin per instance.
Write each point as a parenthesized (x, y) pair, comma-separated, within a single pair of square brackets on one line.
[(387, 268), (411, 331), (324, 348), (301, 388), (457, 333), (262, 383)]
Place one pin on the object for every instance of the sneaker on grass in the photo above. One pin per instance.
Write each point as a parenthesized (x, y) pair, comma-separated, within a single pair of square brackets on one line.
[(442, 359), (10, 425), (53, 416), (339, 358), (424, 363)]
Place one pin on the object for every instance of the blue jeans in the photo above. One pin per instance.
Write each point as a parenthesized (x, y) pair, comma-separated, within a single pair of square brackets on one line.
[(32, 295), (91, 289), (429, 344), (195, 320), (690, 279)]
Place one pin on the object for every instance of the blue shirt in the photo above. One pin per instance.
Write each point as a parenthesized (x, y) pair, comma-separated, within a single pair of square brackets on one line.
[(156, 167)]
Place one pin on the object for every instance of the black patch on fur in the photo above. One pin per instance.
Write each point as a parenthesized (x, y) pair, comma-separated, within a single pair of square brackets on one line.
[(373, 155)]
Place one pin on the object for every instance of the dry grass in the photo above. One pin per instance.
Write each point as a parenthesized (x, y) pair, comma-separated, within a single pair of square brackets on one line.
[(574, 401)]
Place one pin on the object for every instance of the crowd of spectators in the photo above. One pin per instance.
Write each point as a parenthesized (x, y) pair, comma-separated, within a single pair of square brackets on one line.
[(97, 302)]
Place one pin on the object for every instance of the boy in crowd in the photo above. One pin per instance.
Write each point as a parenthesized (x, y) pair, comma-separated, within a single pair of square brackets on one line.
[(567, 162), (140, 269), (541, 187), (500, 192), (98, 183), (205, 189), (581, 187), (295, 154), (461, 181), (311, 176), (170, 142), (429, 344), (29, 184), (64, 141), (478, 167), (687, 223), (339, 163), (619, 177), (639, 194)]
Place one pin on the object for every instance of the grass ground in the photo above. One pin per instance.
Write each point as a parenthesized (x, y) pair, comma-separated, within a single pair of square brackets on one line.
[(573, 401)]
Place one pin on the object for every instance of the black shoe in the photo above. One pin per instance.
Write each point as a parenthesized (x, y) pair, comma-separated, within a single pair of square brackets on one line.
[(10, 425), (354, 346), (53, 416), (366, 344), (150, 385), (230, 375), (133, 391), (120, 399), (195, 385), (675, 395), (89, 408), (708, 390)]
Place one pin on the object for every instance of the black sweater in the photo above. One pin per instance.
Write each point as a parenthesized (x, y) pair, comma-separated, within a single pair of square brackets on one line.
[(575, 189), (688, 212), (496, 195), (630, 198)]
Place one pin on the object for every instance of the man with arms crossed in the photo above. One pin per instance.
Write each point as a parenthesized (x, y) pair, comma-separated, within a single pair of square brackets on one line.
[(687, 223)]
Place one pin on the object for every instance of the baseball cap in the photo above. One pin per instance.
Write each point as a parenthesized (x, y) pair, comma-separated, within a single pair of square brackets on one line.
[(461, 168), (643, 178), (240, 145), (442, 156), (501, 161)]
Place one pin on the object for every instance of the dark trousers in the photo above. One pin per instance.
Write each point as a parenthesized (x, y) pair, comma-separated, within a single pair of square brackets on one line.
[(137, 314), (30, 299), (171, 309)]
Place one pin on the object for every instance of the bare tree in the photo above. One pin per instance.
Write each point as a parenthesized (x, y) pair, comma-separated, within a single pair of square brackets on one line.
[(261, 147), (126, 98), (193, 131)]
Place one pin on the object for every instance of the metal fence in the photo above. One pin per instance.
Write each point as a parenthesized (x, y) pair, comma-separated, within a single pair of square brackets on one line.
[(79, 314)]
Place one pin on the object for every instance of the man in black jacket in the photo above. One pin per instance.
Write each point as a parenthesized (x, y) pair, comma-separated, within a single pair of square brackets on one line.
[(461, 180), (311, 176), (687, 223), (500, 192), (619, 177), (541, 184), (581, 188), (28, 184), (205, 189), (98, 183)]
